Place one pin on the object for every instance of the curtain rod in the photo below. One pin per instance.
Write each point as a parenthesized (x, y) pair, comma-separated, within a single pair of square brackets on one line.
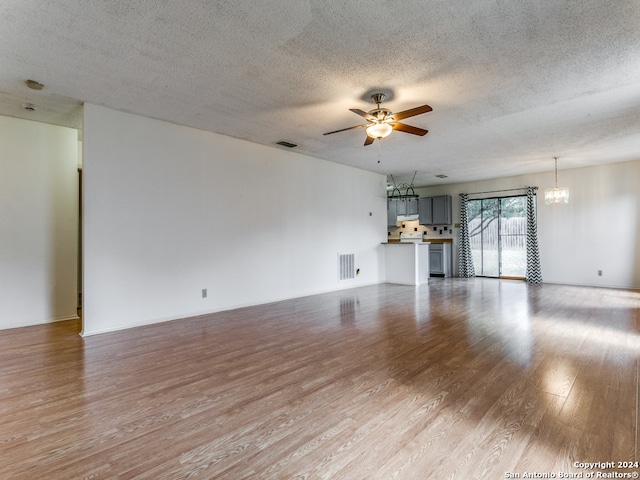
[(498, 191)]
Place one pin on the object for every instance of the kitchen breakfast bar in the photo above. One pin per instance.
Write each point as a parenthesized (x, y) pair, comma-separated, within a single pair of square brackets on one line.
[(407, 263)]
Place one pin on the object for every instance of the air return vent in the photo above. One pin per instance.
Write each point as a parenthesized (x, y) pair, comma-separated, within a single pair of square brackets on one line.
[(286, 144), (346, 266)]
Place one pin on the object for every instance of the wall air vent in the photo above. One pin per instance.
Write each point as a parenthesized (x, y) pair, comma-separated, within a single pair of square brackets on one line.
[(346, 266), (286, 144)]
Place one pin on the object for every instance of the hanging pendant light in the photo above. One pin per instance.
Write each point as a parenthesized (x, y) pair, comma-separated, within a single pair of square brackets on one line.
[(556, 194)]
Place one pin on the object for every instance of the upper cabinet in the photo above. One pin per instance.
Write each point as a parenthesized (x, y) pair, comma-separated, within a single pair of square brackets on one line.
[(425, 207), (442, 210), (435, 210), (428, 210), (392, 213), (411, 206), (400, 209)]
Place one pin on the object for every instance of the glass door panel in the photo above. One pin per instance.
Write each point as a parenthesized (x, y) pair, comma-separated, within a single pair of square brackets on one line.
[(513, 236), (483, 232)]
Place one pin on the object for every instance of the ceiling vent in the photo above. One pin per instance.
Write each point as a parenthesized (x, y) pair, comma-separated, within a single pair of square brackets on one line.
[(33, 85), (286, 144)]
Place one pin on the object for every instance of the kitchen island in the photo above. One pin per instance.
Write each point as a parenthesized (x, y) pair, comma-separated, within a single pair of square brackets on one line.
[(407, 263)]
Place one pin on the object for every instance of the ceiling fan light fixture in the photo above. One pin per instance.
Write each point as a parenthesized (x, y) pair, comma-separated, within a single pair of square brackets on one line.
[(381, 121), (379, 130)]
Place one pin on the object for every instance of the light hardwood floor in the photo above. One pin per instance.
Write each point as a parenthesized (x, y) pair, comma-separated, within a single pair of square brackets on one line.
[(458, 379)]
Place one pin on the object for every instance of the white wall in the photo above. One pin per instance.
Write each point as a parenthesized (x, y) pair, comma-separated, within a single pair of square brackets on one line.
[(598, 230), (38, 223), (170, 210)]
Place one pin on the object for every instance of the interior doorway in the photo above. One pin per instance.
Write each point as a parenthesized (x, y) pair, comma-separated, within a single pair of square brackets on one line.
[(498, 236)]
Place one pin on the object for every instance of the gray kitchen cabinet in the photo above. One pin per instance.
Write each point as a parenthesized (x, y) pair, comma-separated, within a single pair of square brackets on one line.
[(436, 260), (441, 208), (440, 260), (425, 211), (412, 207), (392, 213), (401, 207), (435, 210)]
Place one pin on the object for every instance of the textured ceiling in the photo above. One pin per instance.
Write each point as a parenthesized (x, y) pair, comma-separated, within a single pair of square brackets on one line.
[(512, 83)]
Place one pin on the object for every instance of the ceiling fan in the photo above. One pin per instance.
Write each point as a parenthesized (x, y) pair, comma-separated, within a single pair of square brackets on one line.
[(381, 122)]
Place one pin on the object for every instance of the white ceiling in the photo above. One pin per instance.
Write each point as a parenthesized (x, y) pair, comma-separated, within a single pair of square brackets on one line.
[(512, 83)]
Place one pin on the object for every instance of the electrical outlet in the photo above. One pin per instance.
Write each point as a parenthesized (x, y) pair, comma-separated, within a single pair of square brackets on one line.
[(204, 293), (599, 273)]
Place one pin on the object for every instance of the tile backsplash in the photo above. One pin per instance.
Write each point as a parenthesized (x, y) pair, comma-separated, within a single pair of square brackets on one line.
[(412, 228)]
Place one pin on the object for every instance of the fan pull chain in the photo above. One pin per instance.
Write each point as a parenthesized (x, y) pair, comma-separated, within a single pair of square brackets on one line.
[(378, 149)]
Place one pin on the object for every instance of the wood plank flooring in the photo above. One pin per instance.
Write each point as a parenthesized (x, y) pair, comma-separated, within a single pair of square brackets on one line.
[(458, 379)]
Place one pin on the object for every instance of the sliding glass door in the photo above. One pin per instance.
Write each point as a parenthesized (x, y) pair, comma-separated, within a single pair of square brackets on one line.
[(483, 232), (513, 236), (498, 235)]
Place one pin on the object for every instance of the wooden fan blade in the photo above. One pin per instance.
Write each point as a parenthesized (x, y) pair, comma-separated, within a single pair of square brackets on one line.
[(345, 129), (364, 114), (409, 129), (369, 140), (411, 112)]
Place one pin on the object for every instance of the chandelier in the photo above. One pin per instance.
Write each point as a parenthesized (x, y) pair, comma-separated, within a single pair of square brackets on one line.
[(556, 194)]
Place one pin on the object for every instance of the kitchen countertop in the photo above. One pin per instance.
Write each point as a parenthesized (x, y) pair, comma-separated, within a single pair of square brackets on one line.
[(405, 243), (428, 240), (439, 240)]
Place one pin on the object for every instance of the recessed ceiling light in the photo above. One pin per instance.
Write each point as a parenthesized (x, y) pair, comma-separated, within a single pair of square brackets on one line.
[(29, 107), (33, 85)]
